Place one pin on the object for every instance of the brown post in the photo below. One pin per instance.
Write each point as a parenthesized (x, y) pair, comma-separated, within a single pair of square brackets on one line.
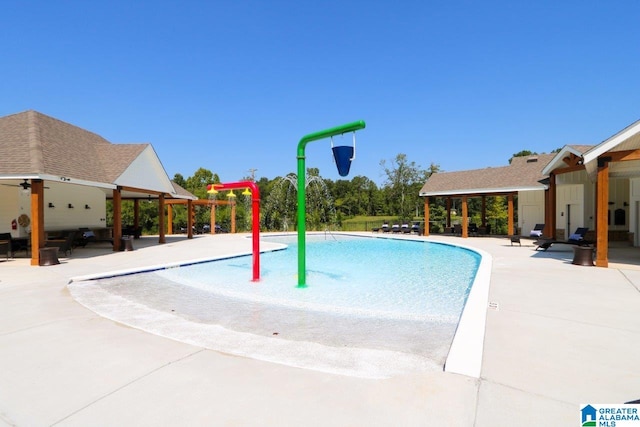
[(169, 218), (602, 208), (465, 225), (213, 218), (189, 219), (117, 219), (37, 220), (426, 216), (233, 215), (161, 231)]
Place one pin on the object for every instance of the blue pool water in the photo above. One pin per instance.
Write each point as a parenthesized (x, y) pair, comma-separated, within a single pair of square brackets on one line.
[(348, 275), (373, 306)]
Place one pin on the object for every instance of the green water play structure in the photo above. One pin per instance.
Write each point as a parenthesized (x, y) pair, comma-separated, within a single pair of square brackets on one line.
[(343, 156)]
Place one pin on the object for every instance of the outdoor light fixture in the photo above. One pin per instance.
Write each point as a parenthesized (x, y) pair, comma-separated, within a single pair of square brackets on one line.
[(51, 205), (87, 207), (70, 206)]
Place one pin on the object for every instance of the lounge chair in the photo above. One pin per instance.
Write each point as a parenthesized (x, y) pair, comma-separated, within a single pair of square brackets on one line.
[(415, 227), (457, 229), (405, 228), (395, 228), (384, 227), (537, 231), (576, 238)]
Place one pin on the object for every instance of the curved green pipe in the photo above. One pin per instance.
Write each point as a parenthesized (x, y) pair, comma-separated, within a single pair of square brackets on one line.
[(302, 208)]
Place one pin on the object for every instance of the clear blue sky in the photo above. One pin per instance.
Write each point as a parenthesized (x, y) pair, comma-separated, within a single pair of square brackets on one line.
[(234, 85)]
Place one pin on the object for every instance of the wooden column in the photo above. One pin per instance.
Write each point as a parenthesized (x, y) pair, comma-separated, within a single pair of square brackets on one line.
[(465, 225), (511, 230), (37, 220), (426, 216), (190, 215), (602, 209), (169, 218), (233, 216), (161, 231), (117, 219), (213, 218)]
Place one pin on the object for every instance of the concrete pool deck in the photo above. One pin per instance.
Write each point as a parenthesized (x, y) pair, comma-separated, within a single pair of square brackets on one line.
[(557, 336)]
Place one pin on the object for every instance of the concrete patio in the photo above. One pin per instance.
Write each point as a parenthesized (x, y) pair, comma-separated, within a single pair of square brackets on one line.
[(558, 336)]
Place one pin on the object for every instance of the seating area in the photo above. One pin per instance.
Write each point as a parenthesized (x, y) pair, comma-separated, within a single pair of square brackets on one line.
[(9, 245), (576, 238)]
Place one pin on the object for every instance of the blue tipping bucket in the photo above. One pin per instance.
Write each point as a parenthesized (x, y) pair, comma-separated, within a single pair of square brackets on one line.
[(343, 155)]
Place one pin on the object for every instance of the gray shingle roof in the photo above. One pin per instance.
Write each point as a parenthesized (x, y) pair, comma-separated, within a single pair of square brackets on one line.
[(524, 173), (33, 143)]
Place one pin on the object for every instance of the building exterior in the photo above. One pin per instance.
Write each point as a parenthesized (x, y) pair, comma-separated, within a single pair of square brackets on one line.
[(56, 176), (594, 186)]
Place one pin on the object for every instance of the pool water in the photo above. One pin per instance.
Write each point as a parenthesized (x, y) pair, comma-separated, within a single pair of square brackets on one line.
[(378, 298), (348, 275)]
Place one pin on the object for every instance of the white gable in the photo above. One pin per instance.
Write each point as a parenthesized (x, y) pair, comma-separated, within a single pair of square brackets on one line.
[(146, 172)]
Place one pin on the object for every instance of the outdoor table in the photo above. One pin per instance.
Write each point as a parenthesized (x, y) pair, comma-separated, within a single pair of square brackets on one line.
[(583, 255)]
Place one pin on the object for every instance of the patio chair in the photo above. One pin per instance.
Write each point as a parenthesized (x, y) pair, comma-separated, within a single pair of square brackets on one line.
[(576, 238), (537, 230), (64, 245), (395, 228), (405, 228)]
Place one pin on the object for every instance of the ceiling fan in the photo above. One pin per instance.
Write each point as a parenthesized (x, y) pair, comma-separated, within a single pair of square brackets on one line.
[(25, 185)]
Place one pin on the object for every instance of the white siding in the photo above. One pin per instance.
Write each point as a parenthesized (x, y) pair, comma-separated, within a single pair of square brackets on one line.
[(530, 210)]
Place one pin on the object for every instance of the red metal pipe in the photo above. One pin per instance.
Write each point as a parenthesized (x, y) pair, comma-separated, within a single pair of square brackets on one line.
[(255, 213)]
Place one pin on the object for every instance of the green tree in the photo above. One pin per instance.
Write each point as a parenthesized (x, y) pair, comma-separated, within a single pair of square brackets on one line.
[(403, 183)]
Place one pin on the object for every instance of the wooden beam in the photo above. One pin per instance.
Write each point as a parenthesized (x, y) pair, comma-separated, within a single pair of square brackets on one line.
[(426, 216), (37, 220), (190, 215), (623, 156), (169, 219), (162, 238), (602, 209)]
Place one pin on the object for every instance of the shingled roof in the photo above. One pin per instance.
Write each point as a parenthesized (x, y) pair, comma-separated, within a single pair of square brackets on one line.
[(523, 174), (32, 143)]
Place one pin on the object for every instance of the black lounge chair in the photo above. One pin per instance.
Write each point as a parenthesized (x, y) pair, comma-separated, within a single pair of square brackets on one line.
[(405, 228), (415, 227), (384, 228), (395, 228), (537, 231), (576, 238)]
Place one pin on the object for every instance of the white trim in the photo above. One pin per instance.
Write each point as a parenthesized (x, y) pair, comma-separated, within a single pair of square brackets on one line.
[(468, 191), (557, 160), (611, 142)]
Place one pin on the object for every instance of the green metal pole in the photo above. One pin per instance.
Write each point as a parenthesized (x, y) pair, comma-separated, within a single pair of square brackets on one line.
[(302, 208)]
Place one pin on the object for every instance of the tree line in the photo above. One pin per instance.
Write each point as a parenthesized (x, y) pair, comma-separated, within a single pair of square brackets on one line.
[(358, 199)]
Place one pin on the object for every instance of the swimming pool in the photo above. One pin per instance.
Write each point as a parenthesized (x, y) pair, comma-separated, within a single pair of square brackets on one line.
[(368, 300)]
